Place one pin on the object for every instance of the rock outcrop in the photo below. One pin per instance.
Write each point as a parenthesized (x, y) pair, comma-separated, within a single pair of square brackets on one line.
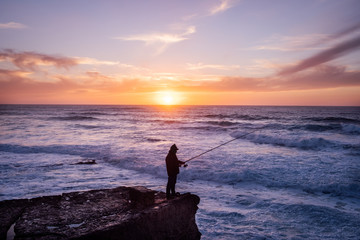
[(119, 213)]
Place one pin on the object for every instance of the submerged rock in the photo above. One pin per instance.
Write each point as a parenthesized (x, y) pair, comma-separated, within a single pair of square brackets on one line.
[(119, 213), (86, 161)]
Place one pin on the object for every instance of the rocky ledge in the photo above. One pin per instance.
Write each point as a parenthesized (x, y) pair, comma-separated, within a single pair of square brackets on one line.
[(119, 213)]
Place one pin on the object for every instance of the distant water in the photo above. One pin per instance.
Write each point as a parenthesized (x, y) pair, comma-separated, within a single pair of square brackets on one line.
[(298, 177)]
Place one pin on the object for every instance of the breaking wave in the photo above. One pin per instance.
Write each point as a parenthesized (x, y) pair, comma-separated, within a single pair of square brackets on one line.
[(313, 143)]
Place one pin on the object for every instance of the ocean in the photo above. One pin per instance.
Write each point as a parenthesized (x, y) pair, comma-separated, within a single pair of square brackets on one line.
[(294, 175)]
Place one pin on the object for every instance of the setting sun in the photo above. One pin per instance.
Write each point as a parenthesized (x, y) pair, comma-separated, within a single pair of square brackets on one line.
[(167, 98)]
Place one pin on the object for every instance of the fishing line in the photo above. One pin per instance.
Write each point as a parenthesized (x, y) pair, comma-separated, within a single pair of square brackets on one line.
[(224, 144)]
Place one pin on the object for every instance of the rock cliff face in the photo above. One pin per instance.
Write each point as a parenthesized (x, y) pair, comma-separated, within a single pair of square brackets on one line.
[(119, 213)]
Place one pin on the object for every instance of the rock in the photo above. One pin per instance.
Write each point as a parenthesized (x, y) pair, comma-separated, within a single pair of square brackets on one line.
[(86, 161), (10, 211), (119, 213)]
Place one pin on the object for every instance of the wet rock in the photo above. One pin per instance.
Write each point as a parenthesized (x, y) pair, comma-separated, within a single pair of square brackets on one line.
[(86, 161), (10, 211), (119, 213)]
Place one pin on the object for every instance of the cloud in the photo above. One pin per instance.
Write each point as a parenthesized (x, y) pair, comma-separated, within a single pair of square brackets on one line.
[(154, 38), (305, 42), (19, 83), (164, 38), (349, 30), (292, 43), (222, 7), (93, 61), (200, 66), (31, 60), (324, 56), (322, 77), (12, 25), (22, 86)]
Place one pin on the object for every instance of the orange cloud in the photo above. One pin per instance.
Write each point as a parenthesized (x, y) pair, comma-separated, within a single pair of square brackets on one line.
[(322, 77)]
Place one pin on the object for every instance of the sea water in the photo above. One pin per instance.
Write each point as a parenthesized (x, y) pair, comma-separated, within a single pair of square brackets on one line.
[(292, 172)]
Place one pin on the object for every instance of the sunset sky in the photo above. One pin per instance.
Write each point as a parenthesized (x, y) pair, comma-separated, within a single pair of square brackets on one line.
[(238, 52)]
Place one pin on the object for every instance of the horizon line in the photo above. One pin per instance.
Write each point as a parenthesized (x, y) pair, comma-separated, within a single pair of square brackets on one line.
[(176, 105)]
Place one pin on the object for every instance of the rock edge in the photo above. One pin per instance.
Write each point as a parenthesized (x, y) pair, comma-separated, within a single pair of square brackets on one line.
[(118, 213)]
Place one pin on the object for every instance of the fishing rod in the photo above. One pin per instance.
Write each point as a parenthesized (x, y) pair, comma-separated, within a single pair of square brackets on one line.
[(185, 165)]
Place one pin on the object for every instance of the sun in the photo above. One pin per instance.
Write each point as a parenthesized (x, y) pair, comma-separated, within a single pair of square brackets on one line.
[(167, 98)]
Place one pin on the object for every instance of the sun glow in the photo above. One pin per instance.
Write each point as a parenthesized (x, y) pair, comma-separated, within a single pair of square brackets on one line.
[(167, 98)]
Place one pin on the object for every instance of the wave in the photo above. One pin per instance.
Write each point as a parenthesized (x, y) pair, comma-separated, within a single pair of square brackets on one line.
[(86, 151), (225, 214), (313, 143), (222, 123), (333, 119), (267, 177), (319, 128), (14, 113), (204, 128), (166, 121), (342, 128), (74, 118), (346, 190), (91, 113), (351, 128), (87, 126), (239, 116), (339, 128), (154, 140)]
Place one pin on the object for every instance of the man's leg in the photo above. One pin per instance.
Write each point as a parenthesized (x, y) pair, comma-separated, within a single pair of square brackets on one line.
[(168, 187), (172, 186)]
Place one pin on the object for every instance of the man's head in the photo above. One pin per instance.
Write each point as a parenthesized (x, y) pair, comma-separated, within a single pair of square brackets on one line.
[(174, 148)]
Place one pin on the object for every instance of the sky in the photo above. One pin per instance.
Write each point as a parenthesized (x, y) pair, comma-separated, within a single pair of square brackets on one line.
[(186, 52)]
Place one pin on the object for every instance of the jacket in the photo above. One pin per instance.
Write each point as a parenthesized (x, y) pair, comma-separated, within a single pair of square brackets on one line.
[(172, 163)]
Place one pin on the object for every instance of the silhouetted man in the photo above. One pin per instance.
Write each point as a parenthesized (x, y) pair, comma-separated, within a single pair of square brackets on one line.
[(172, 167)]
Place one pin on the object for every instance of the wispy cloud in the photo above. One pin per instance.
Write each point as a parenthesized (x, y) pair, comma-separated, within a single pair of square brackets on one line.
[(222, 6), (155, 38), (292, 43), (306, 42), (199, 66), (164, 39), (12, 25), (345, 32)]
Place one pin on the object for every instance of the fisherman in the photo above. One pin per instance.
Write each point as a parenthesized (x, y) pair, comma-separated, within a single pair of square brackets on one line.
[(172, 167)]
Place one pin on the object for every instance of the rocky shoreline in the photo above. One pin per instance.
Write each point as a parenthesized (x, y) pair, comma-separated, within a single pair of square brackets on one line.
[(118, 213)]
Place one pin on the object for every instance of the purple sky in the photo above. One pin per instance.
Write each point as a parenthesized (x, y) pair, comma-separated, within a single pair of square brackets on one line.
[(200, 52)]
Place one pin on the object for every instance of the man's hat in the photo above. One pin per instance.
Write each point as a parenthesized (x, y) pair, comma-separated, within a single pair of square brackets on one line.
[(174, 147)]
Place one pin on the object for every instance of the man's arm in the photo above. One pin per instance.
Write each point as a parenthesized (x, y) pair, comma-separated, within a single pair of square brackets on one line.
[(181, 162)]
